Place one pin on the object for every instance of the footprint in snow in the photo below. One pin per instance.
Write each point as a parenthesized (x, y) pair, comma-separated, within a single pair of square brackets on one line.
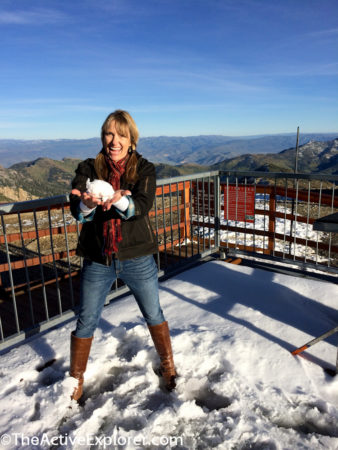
[(258, 446), (129, 347), (157, 400), (110, 381), (210, 400), (36, 414), (47, 374)]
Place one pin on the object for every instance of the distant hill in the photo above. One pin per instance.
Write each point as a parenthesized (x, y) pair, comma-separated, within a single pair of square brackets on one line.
[(208, 150), (204, 150), (13, 151), (314, 157), (47, 177), (43, 177), (168, 171)]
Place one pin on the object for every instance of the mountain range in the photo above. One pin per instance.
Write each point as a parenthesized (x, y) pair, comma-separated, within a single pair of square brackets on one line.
[(204, 150), (45, 177), (313, 157)]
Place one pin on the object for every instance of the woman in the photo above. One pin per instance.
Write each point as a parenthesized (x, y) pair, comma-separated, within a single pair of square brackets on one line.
[(116, 240)]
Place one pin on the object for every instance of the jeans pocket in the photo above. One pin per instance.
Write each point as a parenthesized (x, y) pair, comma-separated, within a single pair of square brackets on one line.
[(139, 265)]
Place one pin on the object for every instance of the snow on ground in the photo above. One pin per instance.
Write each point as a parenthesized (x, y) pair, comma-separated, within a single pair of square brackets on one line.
[(238, 388)]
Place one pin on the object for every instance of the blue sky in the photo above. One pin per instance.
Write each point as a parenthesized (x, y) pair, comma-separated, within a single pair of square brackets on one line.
[(181, 67)]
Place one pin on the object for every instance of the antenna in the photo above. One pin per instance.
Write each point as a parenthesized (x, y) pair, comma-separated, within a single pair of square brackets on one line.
[(296, 158)]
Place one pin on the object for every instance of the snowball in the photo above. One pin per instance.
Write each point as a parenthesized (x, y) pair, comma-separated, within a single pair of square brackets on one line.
[(100, 189)]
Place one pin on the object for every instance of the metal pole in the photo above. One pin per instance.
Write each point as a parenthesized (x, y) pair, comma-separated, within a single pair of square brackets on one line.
[(314, 341), (217, 210)]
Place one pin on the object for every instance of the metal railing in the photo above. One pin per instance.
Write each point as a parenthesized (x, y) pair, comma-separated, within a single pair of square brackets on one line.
[(260, 215), (272, 215), (39, 268)]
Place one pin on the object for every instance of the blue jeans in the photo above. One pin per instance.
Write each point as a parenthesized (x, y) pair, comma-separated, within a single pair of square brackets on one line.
[(139, 274)]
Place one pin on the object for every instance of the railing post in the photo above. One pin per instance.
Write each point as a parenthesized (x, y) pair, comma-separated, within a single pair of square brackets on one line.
[(16, 317), (217, 207), (272, 220), (185, 201)]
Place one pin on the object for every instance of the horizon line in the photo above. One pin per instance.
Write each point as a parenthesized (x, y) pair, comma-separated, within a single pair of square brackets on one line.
[(288, 133)]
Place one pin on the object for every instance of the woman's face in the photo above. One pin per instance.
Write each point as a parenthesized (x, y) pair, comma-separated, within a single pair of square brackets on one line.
[(116, 144)]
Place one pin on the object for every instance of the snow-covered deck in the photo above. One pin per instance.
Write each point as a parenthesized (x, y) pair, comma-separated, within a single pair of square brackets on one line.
[(239, 387)]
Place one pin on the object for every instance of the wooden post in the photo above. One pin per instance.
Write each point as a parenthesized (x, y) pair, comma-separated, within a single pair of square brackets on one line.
[(185, 218)]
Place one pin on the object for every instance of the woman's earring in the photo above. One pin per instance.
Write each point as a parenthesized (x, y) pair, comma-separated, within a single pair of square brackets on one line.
[(130, 150)]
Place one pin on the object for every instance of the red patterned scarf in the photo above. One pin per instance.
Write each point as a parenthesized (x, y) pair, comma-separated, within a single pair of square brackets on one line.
[(112, 228)]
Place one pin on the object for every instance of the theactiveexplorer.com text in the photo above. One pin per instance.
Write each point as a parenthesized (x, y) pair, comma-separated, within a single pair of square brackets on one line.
[(19, 439)]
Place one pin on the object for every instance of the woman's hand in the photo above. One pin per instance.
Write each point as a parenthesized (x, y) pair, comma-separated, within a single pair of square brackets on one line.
[(87, 199), (117, 196), (92, 202)]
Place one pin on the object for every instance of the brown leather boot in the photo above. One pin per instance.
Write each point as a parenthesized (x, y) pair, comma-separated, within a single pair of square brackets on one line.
[(161, 337), (79, 353)]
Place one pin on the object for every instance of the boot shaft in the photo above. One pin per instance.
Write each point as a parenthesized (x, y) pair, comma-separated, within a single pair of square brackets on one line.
[(161, 338), (79, 354)]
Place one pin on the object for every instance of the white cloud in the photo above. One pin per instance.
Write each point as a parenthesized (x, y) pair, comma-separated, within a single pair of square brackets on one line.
[(303, 70), (32, 17), (329, 32)]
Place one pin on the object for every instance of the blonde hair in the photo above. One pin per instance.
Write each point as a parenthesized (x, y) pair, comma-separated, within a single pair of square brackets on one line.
[(125, 125)]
